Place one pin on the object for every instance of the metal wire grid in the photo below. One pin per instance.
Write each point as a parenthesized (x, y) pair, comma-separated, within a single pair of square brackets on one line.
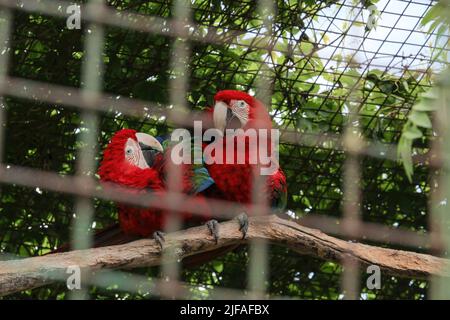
[(91, 100)]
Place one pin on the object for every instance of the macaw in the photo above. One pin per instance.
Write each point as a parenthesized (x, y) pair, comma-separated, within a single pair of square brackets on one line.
[(137, 160), (238, 110), (127, 161)]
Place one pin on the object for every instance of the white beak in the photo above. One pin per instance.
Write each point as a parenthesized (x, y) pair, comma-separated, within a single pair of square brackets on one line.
[(220, 116), (149, 140)]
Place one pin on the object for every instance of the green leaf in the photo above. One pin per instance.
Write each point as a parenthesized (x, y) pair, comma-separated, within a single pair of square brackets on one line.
[(420, 119), (412, 132), (432, 14), (218, 266), (425, 105), (404, 150), (405, 84)]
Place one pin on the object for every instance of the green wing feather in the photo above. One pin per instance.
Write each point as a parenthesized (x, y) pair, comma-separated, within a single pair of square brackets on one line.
[(201, 179)]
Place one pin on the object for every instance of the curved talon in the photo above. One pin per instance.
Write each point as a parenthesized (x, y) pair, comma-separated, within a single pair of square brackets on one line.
[(159, 238), (213, 227), (243, 224)]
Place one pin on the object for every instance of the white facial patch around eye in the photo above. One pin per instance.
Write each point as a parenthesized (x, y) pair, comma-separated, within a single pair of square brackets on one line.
[(241, 110), (131, 152)]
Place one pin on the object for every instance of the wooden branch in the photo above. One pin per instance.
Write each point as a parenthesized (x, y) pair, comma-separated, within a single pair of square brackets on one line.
[(17, 275)]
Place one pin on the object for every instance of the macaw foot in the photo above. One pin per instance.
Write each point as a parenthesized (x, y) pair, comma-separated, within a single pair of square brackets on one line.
[(213, 227), (243, 224), (159, 238)]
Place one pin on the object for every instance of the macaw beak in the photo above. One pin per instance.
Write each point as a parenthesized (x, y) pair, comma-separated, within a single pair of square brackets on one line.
[(222, 115), (150, 147)]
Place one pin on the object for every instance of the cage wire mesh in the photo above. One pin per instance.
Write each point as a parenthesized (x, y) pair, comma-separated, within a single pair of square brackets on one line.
[(339, 78)]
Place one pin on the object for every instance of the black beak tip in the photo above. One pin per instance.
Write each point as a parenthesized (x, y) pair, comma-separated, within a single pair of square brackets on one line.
[(229, 114), (149, 154)]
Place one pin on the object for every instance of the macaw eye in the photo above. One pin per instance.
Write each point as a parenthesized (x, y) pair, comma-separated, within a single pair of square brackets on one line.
[(241, 104), (129, 151)]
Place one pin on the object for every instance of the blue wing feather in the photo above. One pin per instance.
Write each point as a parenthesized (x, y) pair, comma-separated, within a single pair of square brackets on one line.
[(202, 180)]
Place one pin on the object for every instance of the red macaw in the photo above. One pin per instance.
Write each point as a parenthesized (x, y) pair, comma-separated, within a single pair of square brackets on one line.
[(136, 160), (127, 162), (238, 110)]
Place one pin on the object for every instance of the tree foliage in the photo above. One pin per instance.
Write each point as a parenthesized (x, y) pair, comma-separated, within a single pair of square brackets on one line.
[(44, 136)]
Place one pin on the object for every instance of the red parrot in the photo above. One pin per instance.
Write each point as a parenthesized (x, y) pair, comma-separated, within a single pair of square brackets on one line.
[(136, 160), (126, 161), (238, 110)]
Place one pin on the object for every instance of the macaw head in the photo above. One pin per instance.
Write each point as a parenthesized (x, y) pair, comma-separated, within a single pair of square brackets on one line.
[(128, 153), (235, 109)]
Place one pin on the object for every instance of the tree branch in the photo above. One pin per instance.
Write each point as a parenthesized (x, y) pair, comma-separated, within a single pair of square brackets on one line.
[(18, 275)]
